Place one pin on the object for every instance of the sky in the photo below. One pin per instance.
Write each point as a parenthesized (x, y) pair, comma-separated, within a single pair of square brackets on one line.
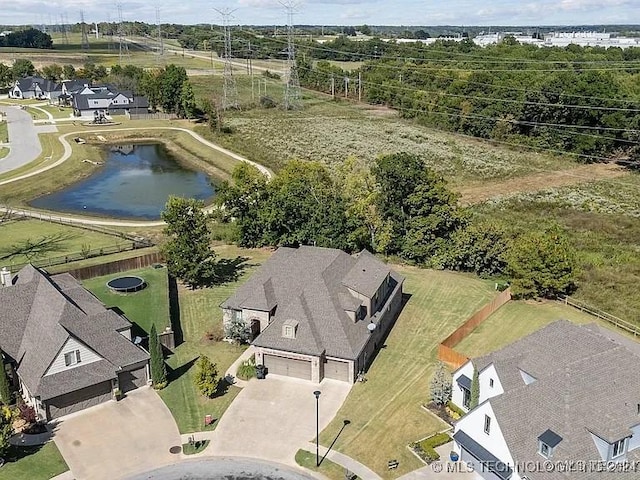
[(333, 12)]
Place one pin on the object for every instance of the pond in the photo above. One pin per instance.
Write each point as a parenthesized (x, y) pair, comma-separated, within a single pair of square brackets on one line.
[(135, 182)]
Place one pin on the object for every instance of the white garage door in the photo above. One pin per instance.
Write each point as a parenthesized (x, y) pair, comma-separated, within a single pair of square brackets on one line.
[(289, 367), (336, 369)]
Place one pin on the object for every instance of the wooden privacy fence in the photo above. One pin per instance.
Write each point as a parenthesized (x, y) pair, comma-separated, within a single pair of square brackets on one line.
[(602, 315), (117, 266), (446, 353), (152, 116)]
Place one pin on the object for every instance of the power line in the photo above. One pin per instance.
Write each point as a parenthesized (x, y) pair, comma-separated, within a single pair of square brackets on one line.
[(83, 27), (123, 47), (292, 94)]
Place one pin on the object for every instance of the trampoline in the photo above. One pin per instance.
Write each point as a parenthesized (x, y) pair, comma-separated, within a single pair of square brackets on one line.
[(126, 284)]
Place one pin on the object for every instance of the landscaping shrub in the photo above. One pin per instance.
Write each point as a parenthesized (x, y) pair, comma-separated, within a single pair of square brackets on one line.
[(206, 378), (247, 369), (158, 368), (5, 389), (27, 413), (425, 449), (441, 386), (454, 408)]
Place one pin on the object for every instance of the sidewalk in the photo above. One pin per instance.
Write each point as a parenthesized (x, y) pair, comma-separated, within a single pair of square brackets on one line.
[(349, 463)]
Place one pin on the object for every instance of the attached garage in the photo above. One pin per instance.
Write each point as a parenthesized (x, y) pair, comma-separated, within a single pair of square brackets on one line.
[(78, 400), (289, 367), (485, 464), (132, 379), (337, 369)]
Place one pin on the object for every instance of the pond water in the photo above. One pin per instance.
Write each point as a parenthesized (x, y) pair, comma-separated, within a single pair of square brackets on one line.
[(134, 182)]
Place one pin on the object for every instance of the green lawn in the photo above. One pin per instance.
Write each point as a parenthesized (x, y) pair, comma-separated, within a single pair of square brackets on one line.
[(200, 314), (36, 114), (34, 463), (58, 112), (4, 132), (515, 320), (385, 411), (58, 240), (145, 307), (329, 469), (4, 151)]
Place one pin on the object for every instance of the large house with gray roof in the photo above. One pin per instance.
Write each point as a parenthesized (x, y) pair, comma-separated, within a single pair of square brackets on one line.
[(35, 87), (566, 395), (317, 313), (62, 347)]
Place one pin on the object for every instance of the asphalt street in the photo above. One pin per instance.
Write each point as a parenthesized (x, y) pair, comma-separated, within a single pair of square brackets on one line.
[(224, 468)]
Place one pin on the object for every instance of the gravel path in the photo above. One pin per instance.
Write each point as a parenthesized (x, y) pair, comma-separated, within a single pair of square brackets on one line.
[(225, 468)]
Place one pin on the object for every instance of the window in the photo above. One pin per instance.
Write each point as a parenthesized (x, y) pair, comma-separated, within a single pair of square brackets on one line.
[(544, 450), (288, 331), (466, 398), (491, 382), (618, 448), (71, 358), (487, 424)]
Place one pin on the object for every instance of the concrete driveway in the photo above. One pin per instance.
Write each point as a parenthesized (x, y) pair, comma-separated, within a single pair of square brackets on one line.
[(23, 138), (272, 419), (117, 439)]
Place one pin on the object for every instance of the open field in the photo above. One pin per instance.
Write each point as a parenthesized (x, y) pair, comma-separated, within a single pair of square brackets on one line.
[(146, 307), (200, 314), (65, 239), (602, 220), (4, 132), (385, 411), (34, 463)]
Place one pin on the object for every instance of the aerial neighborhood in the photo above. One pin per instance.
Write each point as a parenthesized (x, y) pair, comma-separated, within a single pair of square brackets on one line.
[(393, 251)]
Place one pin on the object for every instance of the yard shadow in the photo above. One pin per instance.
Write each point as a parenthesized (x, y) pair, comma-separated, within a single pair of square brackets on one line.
[(15, 453), (174, 311), (230, 269), (174, 374), (405, 299), (222, 388), (344, 425)]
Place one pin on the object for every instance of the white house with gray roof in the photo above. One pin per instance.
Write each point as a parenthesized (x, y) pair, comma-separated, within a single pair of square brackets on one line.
[(567, 394), (317, 313), (63, 348)]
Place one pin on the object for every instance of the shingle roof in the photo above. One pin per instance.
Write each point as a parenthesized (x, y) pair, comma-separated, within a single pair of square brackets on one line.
[(306, 284), (27, 84), (38, 317), (583, 387), (366, 275), (76, 378)]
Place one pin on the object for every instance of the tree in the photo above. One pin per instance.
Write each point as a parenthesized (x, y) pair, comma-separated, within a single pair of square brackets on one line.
[(187, 101), (237, 330), (441, 385), (206, 378), (158, 367), (52, 72), (6, 429), (542, 264), (475, 390), (22, 68), (171, 80), (5, 388), (189, 255), (68, 72), (5, 75)]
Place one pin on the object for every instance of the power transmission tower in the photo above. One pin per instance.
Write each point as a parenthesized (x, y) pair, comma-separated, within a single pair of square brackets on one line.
[(229, 90), (85, 37), (124, 48), (63, 29), (160, 40), (292, 85)]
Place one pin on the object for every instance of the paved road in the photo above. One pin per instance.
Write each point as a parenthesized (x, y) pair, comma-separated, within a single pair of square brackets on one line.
[(23, 138), (228, 468)]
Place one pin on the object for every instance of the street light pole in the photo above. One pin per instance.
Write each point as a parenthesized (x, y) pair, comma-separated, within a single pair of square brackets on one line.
[(317, 394)]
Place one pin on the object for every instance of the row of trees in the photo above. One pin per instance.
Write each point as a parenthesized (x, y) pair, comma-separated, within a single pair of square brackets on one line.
[(27, 38), (398, 207), (575, 99)]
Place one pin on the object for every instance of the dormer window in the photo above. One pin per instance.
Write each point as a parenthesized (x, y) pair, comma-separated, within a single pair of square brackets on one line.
[(618, 448), (289, 329), (71, 358), (547, 442)]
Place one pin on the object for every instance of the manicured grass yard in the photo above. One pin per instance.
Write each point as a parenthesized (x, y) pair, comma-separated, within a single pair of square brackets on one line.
[(515, 320), (4, 133), (34, 463), (145, 307), (385, 411), (200, 314), (4, 151), (327, 468), (70, 240)]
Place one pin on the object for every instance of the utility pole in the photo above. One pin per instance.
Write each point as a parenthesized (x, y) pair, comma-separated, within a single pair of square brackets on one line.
[(359, 86), (346, 87), (292, 85), (230, 90), (160, 40), (333, 87), (83, 27), (124, 48)]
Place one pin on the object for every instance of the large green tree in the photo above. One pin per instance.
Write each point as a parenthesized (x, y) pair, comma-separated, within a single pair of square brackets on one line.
[(189, 255), (22, 68), (187, 105), (542, 264), (158, 367)]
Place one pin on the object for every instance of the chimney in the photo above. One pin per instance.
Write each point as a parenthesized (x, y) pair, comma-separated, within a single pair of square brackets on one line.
[(5, 277)]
